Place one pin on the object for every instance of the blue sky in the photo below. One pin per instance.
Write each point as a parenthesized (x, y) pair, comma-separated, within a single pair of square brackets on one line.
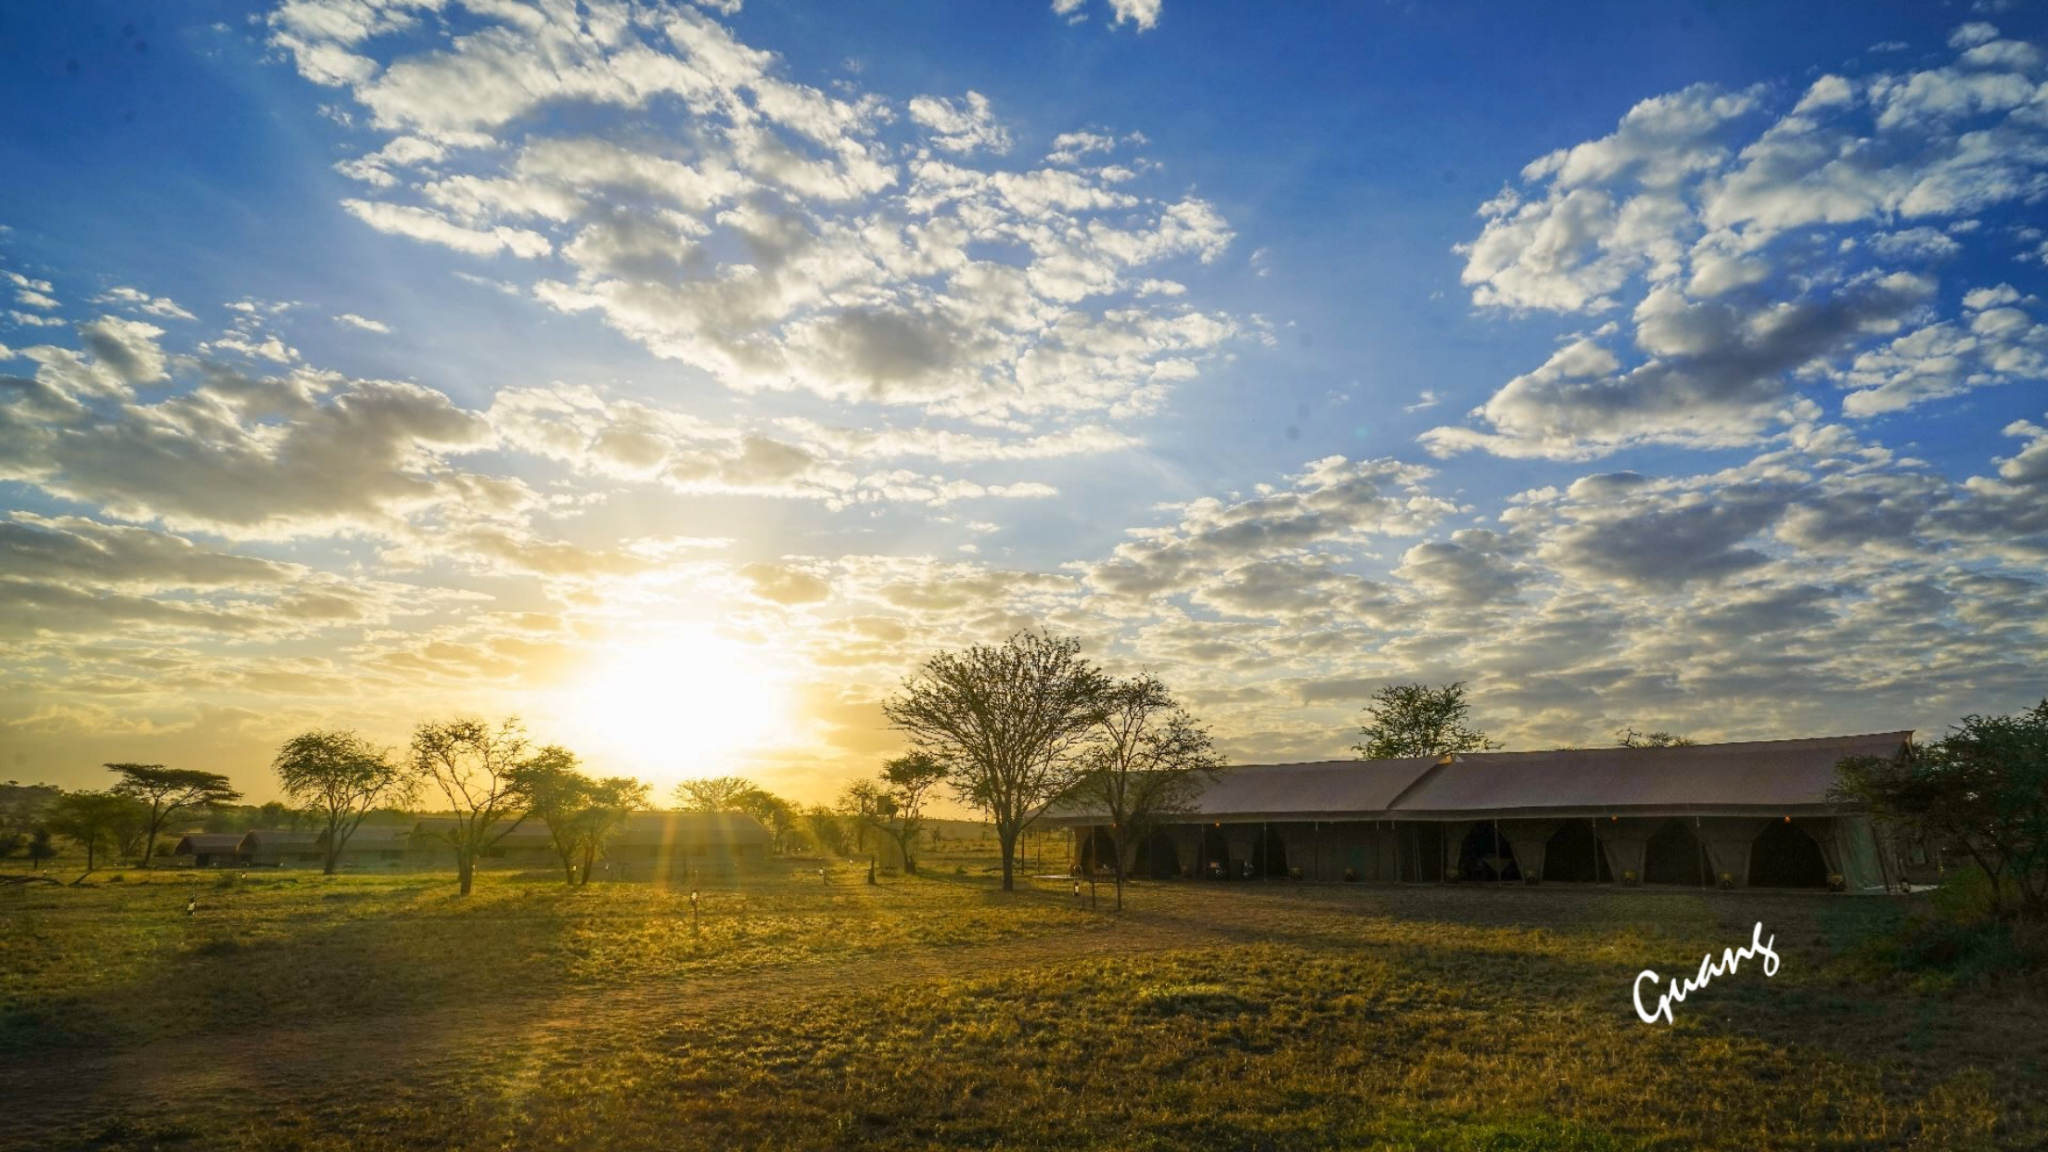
[(1670, 368)]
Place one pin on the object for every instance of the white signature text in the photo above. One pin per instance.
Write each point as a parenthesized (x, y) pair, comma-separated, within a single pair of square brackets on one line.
[(1709, 968)]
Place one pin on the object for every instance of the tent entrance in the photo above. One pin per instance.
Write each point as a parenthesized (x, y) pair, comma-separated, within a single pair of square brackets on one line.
[(1215, 856), (1675, 856), (1269, 855), (1573, 855), (1784, 856), (1486, 856), (1157, 857)]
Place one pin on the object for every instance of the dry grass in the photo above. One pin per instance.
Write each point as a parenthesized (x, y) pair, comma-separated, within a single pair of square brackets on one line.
[(382, 1013)]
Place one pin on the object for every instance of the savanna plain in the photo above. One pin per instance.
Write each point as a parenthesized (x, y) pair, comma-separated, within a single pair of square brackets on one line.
[(294, 1011)]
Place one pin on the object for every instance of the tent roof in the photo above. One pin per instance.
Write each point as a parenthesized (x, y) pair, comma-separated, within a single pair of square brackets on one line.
[(1765, 776), (278, 838), (208, 842), (692, 828)]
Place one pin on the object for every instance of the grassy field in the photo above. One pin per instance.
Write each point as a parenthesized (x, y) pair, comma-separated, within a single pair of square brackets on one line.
[(299, 1012)]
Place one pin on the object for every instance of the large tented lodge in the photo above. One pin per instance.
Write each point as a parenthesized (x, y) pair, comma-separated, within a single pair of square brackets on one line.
[(648, 843), (1733, 815)]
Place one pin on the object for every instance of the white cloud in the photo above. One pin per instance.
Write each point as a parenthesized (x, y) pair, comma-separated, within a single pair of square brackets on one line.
[(962, 126), (1757, 251), (774, 235), (352, 320), (421, 224), (142, 301)]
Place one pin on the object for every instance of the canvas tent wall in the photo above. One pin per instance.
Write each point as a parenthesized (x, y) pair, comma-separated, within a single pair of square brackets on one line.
[(512, 841), (1690, 814), (277, 848), (211, 849), (666, 843)]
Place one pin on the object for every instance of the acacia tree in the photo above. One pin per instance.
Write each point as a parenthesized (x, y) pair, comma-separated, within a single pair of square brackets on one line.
[(1417, 720), (610, 801), (92, 820), (779, 816), (1012, 721), (580, 813), (474, 766), (556, 794), (167, 792), (1149, 759), (893, 803), (827, 828), (713, 794), (1982, 790), (340, 777), (1630, 738)]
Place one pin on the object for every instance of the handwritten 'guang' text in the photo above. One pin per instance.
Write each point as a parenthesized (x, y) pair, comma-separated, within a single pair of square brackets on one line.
[(1731, 958)]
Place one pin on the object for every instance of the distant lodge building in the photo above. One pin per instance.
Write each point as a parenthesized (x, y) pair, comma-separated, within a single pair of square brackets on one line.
[(1741, 815), (649, 843)]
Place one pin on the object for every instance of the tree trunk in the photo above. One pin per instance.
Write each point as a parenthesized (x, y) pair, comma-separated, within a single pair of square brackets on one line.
[(465, 868), (1117, 838), (1007, 838)]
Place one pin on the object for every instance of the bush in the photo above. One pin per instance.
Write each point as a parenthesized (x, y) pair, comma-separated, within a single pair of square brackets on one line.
[(1959, 940)]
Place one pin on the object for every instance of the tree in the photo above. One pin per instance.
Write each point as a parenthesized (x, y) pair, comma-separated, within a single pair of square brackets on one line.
[(611, 801), (1982, 791), (827, 828), (167, 792), (340, 777), (92, 820), (893, 803), (1149, 759), (580, 813), (713, 794), (473, 765), (779, 816), (1417, 720), (556, 794), (39, 847), (1630, 738), (1012, 721)]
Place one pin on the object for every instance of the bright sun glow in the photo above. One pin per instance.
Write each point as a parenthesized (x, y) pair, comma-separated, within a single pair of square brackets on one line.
[(677, 703)]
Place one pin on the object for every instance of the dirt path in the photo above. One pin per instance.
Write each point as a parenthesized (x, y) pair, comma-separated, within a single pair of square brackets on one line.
[(340, 1058)]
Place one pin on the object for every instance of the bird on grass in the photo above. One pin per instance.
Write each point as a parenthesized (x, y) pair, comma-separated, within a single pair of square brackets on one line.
[(192, 906)]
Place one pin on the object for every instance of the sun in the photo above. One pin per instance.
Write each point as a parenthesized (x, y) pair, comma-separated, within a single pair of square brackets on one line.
[(678, 702)]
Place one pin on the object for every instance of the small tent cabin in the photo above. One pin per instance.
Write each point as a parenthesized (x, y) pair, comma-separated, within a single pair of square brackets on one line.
[(525, 842), (1753, 814), (669, 843), (211, 849), (372, 846), (277, 848)]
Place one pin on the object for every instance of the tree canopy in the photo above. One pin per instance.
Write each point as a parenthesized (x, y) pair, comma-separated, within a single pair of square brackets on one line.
[(474, 766), (93, 820), (714, 794), (341, 777), (166, 792), (1012, 720), (1417, 720), (1148, 758), (1981, 791), (1630, 738)]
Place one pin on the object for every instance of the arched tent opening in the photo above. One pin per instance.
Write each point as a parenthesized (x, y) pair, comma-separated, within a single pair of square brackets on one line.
[(1784, 856), (1098, 850), (1215, 860), (1573, 855), (1674, 856), (1485, 856), (1157, 857), (1269, 855)]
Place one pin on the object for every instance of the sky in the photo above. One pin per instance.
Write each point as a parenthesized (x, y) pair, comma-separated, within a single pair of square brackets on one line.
[(677, 375)]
